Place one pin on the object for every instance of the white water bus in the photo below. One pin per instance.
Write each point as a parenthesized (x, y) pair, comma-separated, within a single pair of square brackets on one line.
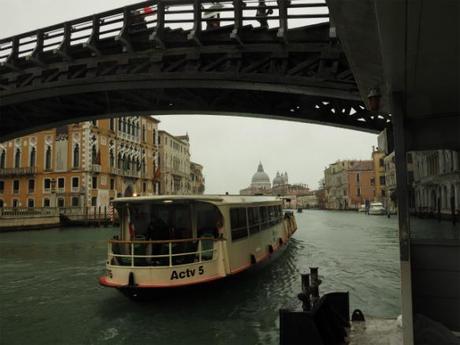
[(173, 241)]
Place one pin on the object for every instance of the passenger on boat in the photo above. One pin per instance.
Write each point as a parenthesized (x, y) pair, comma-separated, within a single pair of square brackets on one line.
[(220, 227), (157, 230)]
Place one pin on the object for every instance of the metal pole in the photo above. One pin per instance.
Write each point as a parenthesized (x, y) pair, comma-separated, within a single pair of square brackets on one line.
[(403, 216)]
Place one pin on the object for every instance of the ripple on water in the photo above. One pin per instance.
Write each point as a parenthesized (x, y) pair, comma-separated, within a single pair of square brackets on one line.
[(109, 333)]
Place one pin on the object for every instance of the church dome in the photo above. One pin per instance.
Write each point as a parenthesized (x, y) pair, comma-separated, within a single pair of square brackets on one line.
[(284, 177), (278, 180), (260, 179)]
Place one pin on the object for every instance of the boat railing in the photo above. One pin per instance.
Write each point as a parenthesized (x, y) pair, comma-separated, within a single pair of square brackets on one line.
[(162, 253)]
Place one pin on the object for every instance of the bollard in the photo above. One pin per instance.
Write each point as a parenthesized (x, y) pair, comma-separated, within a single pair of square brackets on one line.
[(314, 286), (106, 223), (304, 296)]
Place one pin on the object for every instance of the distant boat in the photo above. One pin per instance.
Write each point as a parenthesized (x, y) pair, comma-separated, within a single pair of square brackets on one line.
[(362, 208), (376, 209), (175, 241)]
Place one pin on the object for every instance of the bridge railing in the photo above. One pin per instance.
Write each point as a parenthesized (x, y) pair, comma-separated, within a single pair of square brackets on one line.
[(153, 18)]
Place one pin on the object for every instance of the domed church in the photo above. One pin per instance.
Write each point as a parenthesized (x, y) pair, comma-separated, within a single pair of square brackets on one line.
[(260, 179), (260, 184), (280, 179)]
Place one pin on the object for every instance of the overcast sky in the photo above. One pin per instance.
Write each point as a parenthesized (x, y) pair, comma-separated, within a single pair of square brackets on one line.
[(229, 148)]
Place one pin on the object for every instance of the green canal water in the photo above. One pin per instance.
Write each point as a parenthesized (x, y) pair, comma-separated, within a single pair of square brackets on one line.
[(49, 292)]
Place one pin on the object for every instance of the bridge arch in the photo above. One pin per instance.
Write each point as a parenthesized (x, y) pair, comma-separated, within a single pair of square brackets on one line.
[(90, 70)]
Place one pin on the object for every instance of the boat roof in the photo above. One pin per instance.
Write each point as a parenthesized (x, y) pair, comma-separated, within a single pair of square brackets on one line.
[(213, 199)]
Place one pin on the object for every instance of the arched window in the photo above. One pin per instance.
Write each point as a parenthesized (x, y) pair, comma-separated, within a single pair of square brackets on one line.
[(48, 158), (133, 129), (76, 156), (119, 123), (120, 161), (93, 154), (124, 125), (17, 158), (33, 154), (2, 159), (111, 124), (137, 129), (128, 129), (112, 158)]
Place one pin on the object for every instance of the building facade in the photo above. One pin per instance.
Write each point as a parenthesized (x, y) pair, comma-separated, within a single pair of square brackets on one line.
[(349, 184), (197, 182), (379, 180), (437, 182), (390, 201), (80, 165), (308, 200), (174, 152)]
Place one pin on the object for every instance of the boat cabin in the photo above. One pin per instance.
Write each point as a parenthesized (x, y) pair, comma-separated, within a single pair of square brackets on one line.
[(179, 240)]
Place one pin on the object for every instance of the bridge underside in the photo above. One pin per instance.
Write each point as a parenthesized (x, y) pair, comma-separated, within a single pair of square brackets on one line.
[(128, 99), (304, 77)]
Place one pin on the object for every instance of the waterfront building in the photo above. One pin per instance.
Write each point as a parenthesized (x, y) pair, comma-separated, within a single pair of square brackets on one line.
[(437, 182), (80, 165), (379, 180), (389, 199), (196, 178), (321, 197), (335, 185), (349, 183), (174, 152), (390, 183), (308, 200)]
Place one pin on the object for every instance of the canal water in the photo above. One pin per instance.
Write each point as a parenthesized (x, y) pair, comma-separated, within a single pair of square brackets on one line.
[(49, 293)]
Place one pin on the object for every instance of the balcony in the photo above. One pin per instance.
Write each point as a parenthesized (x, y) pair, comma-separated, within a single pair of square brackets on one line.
[(115, 171), (14, 172), (96, 168), (131, 173), (77, 190)]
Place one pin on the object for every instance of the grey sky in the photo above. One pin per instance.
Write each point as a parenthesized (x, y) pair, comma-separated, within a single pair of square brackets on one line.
[(229, 147)]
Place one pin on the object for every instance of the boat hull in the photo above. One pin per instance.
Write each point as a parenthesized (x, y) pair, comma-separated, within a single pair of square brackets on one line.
[(141, 293)]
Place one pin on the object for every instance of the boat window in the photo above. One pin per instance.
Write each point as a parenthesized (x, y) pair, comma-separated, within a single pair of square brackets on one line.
[(273, 215), (239, 223), (139, 219), (279, 213), (209, 221), (254, 220), (160, 221), (264, 220)]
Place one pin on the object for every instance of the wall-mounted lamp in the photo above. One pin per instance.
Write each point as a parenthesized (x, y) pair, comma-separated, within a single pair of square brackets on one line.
[(373, 99)]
